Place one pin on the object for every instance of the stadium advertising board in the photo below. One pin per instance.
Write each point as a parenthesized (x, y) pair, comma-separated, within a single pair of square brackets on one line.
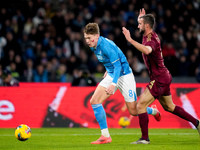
[(61, 105)]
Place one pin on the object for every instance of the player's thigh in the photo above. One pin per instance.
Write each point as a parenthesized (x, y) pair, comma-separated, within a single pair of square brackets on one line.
[(127, 86), (167, 103), (99, 95), (145, 100)]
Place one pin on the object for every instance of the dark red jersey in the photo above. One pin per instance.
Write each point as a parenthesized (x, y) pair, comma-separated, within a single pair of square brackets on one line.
[(154, 61)]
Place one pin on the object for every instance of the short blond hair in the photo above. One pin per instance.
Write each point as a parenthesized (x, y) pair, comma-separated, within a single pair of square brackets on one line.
[(92, 28)]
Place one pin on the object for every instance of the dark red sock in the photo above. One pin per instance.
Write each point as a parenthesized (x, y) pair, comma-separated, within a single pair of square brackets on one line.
[(143, 121), (179, 111)]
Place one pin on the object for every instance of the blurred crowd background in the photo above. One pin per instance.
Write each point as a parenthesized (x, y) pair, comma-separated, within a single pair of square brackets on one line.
[(42, 40)]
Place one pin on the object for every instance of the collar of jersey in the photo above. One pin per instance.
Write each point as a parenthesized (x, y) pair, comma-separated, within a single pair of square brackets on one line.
[(149, 33)]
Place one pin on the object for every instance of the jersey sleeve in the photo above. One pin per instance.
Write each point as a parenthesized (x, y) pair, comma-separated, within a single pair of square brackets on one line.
[(152, 40), (152, 44), (117, 70), (112, 54)]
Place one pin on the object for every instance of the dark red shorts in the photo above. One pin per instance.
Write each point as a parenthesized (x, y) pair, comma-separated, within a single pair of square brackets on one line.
[(159, 88)]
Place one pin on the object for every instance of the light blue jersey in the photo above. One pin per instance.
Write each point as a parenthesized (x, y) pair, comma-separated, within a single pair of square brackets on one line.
[(110, 55)]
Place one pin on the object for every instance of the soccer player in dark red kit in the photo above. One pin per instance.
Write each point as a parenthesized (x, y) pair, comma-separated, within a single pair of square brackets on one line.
[(160, 77)]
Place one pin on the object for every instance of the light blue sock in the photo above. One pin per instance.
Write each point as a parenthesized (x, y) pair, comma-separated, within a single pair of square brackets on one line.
[(149, 110), (100, 115)]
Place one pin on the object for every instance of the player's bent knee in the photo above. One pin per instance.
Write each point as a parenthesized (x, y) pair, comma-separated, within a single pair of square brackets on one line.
[(169, 109), (94, 101), (140, 106), (133, 112)]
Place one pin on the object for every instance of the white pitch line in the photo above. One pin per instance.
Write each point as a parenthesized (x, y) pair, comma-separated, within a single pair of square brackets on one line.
[(98, 134)]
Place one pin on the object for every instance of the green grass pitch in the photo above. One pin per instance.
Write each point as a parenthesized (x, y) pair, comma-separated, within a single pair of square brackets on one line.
[(80, 138)]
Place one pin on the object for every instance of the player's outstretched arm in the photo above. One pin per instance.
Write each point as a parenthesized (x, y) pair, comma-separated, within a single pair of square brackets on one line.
[(144, 49)]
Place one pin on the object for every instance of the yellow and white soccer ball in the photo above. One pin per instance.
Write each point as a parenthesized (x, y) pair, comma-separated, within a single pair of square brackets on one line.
[(124, 122), (23, 132)]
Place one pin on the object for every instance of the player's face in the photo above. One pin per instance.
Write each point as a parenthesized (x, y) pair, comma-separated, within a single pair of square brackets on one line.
[(91, 39), (141, 26)]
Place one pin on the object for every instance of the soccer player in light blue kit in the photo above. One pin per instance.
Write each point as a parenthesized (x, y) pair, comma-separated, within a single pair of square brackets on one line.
[(118, 75)]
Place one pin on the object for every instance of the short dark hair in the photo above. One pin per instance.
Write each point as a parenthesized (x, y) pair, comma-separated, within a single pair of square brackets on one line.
[(149, 19), (91, 28)]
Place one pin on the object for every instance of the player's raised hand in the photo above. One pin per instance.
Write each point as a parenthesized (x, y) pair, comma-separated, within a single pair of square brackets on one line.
[(126, 34), (142, 13)]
